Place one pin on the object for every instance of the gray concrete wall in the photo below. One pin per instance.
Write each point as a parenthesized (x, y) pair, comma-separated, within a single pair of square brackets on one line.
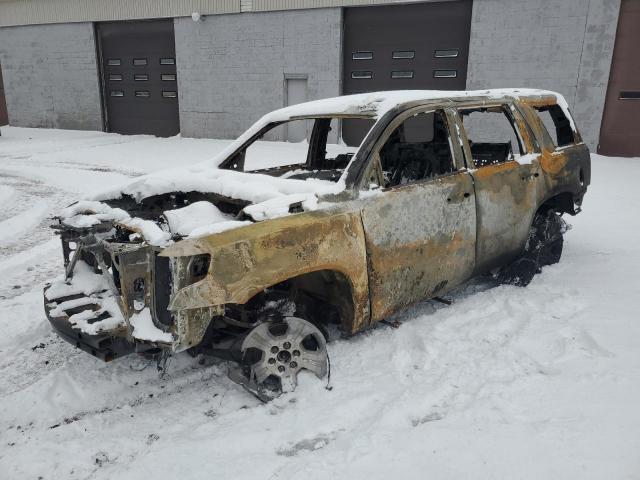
[(231, 68), (558, 45), (50, 76)]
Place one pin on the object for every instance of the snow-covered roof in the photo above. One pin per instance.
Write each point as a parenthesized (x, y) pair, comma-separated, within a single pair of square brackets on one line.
[(374, 105)]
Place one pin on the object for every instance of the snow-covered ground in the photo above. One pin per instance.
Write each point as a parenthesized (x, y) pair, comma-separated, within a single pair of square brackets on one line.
[(540, 382)]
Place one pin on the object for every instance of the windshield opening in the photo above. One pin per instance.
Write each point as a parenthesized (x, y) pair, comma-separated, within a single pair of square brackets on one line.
[(300, 149)]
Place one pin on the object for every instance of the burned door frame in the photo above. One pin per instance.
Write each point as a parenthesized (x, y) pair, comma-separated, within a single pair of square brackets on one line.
[(506, 194), (103, 81), (404, 233)]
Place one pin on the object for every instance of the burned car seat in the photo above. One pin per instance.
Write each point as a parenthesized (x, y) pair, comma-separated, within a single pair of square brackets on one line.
[(484, 154), (407, 162)]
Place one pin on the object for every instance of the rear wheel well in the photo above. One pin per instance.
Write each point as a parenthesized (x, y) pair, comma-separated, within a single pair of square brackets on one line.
[(560, 203)]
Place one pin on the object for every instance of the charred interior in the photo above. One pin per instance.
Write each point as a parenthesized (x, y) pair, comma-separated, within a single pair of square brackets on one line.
[(417, 149), (322, 154), (153, 207)]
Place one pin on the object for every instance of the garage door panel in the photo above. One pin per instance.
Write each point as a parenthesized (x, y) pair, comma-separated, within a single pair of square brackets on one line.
[(139, 77), (415, 34), (405, 47)]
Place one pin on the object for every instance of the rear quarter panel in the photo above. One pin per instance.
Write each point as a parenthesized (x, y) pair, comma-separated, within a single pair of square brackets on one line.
[(565, 169)]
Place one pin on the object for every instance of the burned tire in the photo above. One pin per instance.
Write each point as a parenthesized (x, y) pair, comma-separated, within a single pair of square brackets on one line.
[(544, 247)]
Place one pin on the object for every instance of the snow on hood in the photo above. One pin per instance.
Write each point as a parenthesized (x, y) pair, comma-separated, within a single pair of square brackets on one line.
[(184, 220), (279, 206), (200, 219), (252, 187), (270, 197), (195, 220), (87, 213)]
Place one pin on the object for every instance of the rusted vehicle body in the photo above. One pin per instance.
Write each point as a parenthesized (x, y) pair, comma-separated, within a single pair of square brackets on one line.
[(443, 187)]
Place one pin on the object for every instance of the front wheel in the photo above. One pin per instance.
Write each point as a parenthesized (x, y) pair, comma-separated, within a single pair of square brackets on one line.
[(544, 247), (275, 352)]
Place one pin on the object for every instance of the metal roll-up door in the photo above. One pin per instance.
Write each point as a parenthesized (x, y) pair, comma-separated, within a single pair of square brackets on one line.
[(405, 47), (138, 68)]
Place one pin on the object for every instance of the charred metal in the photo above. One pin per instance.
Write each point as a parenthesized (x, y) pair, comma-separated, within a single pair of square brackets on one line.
[(417, 215)]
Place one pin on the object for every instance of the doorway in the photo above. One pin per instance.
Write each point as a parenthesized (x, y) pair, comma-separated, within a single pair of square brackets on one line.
[(404, 47), (139, 79), (296, 92)]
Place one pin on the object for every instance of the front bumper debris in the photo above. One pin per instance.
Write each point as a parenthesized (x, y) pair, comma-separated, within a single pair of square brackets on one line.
[(106, 344), (105, 284)]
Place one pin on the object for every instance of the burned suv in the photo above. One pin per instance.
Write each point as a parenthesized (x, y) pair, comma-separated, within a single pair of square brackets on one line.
[(333, 213)]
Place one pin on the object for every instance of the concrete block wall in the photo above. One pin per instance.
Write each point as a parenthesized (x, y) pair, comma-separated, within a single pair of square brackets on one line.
[(558, 45), (50, 76), (232, 68)]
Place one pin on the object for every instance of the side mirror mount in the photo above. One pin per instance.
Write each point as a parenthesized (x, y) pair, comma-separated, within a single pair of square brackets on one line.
[(237, 162)]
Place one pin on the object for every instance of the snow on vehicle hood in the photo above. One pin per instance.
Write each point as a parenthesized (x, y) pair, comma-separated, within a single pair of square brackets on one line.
[(269, 197), (252, 187)]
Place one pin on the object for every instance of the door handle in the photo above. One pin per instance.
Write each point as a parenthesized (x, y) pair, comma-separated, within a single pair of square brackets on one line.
[(530, 175), (459, 198)]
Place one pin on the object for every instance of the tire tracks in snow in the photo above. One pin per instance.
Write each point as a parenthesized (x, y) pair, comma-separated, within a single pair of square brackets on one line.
[(448, 361), (140, 393), (31, 267), (25, 220), (465, 360), (29, 253)]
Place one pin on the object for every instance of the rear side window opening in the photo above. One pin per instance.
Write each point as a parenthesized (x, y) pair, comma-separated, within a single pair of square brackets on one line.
[(300, 148), (557, 124), (493, 135)]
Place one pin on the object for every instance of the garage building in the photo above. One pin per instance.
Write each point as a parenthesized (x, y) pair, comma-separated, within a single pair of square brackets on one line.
[(210, 68)]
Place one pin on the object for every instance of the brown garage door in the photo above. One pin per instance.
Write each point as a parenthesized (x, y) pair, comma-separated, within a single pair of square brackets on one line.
[(4, 118), (620, 131), (139, 77), (405, 47)]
